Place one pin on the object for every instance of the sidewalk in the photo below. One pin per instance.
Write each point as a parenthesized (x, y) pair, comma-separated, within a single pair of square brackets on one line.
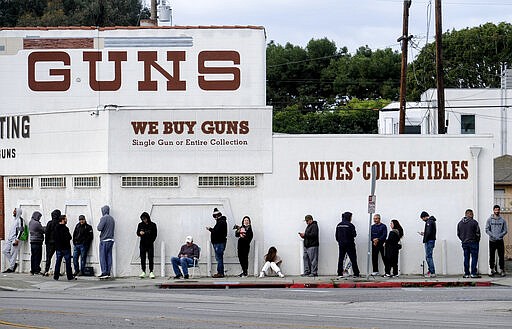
[(22, 281)]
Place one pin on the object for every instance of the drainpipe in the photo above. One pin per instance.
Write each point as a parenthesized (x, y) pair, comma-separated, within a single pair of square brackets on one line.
[(475, 152)]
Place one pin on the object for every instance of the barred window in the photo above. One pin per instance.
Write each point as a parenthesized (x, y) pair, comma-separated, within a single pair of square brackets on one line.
[(52, 182), (20, 182), (87, 182), (150, 181), (227, 181)]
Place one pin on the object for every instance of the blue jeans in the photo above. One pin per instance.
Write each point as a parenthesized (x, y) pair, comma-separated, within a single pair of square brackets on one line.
[(80, 250), (106, 257), (219, 256), (470, 250), (66, 254), (184, 262), (429, 250)]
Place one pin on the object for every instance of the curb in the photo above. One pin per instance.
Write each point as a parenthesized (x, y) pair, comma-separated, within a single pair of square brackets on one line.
[(325, 285)]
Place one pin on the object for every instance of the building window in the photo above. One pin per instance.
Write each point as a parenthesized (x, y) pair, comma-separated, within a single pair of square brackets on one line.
[(20, 183), (87, 182), (150, 181), (52, 182), (467, 124), (412, 130), (227, 181)]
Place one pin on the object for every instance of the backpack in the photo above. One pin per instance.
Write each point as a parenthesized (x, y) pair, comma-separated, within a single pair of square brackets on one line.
[(24, 234)]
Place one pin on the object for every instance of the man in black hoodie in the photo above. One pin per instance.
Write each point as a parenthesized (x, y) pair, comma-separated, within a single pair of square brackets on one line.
[(345, 235), (50, 240), (147, 232), (82, 237), (219, 235), (429, 241), (468, 232), (311, 243), (63, 248)]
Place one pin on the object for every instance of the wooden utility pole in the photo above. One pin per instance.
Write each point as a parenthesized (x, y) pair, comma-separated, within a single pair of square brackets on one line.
[(153, 12), (403, 75), (441, 128)]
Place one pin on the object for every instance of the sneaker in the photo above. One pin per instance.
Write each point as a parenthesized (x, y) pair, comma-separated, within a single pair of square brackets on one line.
[(45, 274), (502, 273), (305, 274), (375, 274), (176, 277), (475, 276), (103, 276), (218, 275), (151, 275), (387, 275), (430, 275), (142, 275), (465, 276), (262, 275), (8, 271), (281, 275), (492, 274), (396, 275), (312, 275), (186, 276)]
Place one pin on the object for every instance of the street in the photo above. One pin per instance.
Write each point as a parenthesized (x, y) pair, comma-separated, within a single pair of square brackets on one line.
[(259, 308)]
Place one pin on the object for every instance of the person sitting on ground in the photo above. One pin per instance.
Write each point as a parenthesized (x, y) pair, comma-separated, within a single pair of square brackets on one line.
[(189, 253), (272, 260)]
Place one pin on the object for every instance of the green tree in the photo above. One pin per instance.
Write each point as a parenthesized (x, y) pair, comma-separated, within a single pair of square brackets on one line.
[(70, 12), (472, 58)]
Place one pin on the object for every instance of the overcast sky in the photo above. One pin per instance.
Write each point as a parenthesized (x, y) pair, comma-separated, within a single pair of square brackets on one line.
[(350, 23)]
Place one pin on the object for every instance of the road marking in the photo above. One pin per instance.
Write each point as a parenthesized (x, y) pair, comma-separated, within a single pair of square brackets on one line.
[(19, 325)]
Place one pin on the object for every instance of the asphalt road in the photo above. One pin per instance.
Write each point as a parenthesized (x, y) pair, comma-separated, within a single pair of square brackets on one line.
[(259, 308)]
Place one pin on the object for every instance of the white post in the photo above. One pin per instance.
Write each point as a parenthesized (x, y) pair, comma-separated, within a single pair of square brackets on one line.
[(114, 263), (256, 258), (162, 259), (444, 250), (208, 259)]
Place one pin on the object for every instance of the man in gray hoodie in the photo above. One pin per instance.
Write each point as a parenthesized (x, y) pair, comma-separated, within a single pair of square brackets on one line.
[(468, 232), (496, 228), (36, 242), (106, 227)]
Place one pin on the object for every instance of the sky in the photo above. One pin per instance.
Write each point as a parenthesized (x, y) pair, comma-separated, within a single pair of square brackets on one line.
[(349, 23)]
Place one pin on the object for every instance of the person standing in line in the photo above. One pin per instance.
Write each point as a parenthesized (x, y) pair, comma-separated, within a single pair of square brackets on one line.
[(106, 226), (82, 237), (345, 235), (219, 235), (63, 248), (147, 231), (50, 240), (378, 235), (392, 248), (36, 242), (272, 260), (187, 257), (311, 244), (468, 232), (429, 241), (244, 235), (12, 243), (496, 229)]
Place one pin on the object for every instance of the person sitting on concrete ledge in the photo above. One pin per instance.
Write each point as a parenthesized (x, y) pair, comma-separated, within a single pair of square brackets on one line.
[(189, 253), (272, 260)]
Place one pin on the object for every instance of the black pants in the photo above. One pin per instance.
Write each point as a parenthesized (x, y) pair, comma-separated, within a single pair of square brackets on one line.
[(150, 250), (376, 249), (500, 247), (391, 260), (243, 256), (351, 252), (50, 250), (36, 254)]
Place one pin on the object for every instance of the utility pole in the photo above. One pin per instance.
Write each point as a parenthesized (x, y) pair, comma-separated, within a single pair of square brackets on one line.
[(441, 129), (154, 17), (403, 74)]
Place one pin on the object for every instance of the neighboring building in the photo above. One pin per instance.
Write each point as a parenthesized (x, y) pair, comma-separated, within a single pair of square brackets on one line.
[(173, 121), (503, 195)]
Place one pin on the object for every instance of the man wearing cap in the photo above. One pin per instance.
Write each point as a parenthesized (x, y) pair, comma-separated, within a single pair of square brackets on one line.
[(147, 231), (429, 241), (219, 235), (188, 253), (310, 236), (82, 237)]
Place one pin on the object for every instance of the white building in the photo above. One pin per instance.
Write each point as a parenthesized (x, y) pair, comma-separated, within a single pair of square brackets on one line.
[(173, 121)]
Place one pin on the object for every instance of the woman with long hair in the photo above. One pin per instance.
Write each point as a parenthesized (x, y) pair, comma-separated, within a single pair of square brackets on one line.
[(244, 235), (392, 248), (272, 260)]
